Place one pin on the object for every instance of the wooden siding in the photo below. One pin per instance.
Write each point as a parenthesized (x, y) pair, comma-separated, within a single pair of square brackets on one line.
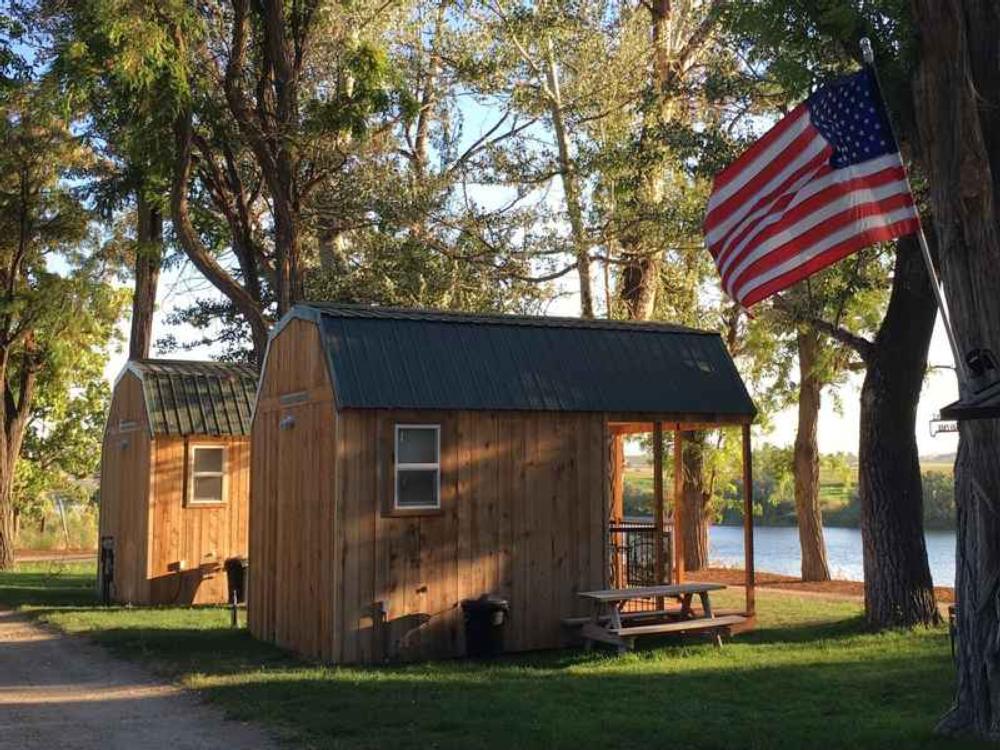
[(143, 487), (524, 501), (523, 506), (124, 494), (200, 536), (293, 579)]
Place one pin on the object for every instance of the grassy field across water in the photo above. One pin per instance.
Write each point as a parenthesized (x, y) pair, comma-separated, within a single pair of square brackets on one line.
[(810, 676)]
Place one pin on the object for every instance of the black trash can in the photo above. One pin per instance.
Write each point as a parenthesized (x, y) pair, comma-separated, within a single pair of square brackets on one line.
[(237, 570), (485, 619)]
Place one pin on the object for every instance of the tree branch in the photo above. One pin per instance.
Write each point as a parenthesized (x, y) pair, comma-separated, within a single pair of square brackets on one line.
[(864, 348)]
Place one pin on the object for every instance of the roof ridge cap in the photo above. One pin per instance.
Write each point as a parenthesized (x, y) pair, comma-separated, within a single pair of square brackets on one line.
[(372, 312)]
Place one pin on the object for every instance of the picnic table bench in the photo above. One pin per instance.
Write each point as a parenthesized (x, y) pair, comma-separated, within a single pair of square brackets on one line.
[(608, 624)]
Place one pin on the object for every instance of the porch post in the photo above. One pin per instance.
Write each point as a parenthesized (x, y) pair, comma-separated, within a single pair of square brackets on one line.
[(658, 505), (677, 532), (616, 465), (748, 521), (617, 461)]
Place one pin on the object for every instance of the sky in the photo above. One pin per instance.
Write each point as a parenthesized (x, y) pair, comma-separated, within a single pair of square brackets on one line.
[(838, 427), (838, 430)]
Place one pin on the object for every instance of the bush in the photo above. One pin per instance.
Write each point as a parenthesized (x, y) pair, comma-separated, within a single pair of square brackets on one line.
[(939, 500), (81, 524)]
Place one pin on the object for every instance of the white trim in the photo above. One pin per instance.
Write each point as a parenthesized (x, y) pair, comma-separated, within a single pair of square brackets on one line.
[(436, 467), (224, 473)]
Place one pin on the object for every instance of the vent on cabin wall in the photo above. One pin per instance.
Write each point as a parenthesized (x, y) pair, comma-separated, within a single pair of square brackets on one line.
[(291, 399)]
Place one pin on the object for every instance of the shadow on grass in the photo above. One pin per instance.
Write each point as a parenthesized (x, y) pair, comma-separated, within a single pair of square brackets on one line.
[(834, 705), (827, 684), (47, 588), (822, 691)]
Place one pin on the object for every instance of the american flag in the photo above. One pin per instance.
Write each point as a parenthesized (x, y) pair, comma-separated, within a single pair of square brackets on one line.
[(824, 182)]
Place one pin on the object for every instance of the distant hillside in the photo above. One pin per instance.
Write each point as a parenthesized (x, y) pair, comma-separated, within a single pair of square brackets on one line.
[(939, 458)]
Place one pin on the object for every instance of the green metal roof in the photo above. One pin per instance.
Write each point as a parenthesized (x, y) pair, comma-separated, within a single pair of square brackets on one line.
[(196, 398), (424, 359)]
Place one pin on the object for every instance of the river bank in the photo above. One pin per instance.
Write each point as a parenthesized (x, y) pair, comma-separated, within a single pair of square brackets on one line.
[(736, 577)]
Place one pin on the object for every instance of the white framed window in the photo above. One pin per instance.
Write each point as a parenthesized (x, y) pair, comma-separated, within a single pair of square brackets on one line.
[(418, 467), (207, 481)]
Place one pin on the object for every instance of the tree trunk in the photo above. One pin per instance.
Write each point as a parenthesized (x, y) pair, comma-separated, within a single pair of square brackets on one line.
[(898, 588), (190, 241), (571, 189), (7, 534), (15, 412), (956, 95), (148, 259), (696, 509), (806, 460)]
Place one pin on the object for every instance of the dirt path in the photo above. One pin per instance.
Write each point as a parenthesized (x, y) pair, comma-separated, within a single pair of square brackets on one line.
[(58, 692)]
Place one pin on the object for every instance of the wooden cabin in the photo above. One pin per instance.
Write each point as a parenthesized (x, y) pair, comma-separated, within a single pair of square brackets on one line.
[(406, 460), (175, 480)]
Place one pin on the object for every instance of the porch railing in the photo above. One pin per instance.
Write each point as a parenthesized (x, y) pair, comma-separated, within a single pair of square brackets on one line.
[(632, 554)]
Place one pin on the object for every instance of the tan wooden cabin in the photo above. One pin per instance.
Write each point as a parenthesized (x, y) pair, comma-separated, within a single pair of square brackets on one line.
[(175, 480), (406, 460)]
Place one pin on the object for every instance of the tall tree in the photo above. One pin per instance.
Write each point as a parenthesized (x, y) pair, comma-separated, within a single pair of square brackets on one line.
[(956, 92), (50, 320), (117, 82), (799, 45)]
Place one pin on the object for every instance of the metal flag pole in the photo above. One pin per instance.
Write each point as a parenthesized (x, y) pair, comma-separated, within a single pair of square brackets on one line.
[(868, 54)]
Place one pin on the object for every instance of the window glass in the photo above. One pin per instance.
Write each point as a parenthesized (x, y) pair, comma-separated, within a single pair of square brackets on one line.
[(418, 469), (207, 460), (207, 479), (417, 445), (416, 488), (207, 489)]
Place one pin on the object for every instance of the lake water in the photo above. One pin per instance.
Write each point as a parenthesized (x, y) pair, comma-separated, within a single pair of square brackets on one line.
[(776, 550)]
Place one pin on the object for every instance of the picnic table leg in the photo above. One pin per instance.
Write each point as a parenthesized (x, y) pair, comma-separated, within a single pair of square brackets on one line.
[(706, 605), (616, 622), (595, 615), (685, 606)]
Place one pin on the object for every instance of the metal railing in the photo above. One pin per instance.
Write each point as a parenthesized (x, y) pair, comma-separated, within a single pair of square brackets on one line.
[(632, 555)]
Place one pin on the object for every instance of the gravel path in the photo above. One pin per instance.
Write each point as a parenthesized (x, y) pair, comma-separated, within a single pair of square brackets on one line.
[(58, 691)]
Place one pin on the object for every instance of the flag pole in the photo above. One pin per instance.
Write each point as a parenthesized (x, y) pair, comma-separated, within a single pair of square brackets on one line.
[(868, 54)]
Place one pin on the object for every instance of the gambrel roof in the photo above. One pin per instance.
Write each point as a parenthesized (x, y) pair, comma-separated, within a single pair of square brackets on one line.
[(423, 359), (196, 398)]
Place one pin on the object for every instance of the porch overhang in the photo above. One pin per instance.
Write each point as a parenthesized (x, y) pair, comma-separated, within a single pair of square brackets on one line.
[(657, 426)]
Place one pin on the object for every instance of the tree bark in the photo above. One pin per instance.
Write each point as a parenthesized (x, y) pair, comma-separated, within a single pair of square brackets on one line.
[(15, 410), (898, 588), (189, 240), (571, 188), (272, 126), (956, 93), (806, 460), (7, 533), (696, 512), (148, 259)]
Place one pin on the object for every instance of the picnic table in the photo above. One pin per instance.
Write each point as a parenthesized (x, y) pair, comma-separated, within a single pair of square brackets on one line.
[(609, 624)]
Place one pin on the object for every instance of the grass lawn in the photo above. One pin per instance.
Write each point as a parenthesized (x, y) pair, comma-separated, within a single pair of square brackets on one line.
[(810, 676)]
